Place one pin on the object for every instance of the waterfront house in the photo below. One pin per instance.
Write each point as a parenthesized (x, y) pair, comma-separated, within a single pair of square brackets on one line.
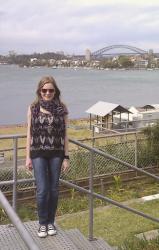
[(104, 112), (140, 117)]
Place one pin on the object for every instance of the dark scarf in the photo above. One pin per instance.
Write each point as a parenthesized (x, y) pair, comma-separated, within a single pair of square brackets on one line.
[(55, 107)]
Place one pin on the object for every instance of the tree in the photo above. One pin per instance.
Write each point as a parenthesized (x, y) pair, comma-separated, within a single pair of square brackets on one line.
[(125, 62), (152, 134)]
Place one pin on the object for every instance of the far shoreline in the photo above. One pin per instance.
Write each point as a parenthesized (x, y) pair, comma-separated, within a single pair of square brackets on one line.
[(25, 124)]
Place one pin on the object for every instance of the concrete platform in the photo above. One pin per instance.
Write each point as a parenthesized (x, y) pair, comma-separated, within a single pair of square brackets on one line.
[(149, 235)]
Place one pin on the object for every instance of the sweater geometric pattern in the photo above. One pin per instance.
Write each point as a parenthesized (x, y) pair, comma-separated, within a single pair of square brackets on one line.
[(47, 132)]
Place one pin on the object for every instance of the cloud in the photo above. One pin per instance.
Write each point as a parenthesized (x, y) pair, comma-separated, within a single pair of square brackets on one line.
[(73, 26)]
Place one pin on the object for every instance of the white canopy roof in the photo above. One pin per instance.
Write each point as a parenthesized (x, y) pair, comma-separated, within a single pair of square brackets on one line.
[(103, 108), (133, 110)]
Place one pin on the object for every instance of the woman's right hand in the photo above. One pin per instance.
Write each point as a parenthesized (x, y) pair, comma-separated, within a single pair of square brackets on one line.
[(28, 164)]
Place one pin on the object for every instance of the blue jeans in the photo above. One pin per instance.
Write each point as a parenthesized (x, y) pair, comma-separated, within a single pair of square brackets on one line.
[(47, 174)]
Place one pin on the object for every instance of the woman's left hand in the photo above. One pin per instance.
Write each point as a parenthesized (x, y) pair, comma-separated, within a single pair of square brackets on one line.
[(65, 165)]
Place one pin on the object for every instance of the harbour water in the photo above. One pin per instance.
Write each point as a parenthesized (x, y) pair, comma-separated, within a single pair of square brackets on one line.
[(81, 88)]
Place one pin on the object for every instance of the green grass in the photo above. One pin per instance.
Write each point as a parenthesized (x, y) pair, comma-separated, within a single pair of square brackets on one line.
[(138, 244), (25, 211), (113, 224)]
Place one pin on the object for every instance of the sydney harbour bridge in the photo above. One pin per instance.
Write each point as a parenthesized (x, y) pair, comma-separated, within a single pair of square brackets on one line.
[(107, 51)]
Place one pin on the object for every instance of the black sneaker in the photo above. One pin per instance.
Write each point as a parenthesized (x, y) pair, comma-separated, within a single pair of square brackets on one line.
[(51, 229), (42, 232)]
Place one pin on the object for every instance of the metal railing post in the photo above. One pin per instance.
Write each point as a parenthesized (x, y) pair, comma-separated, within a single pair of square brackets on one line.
[(135, 149), (91, 166), (14, 199), (93, 135)]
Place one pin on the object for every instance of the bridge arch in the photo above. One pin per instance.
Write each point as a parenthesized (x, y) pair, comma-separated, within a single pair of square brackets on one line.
[(132, 48)]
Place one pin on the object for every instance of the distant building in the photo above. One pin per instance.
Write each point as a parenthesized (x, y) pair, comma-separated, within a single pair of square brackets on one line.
[(142, 64), (150, 51), (87, 55), (140, 116), (52, 61), (109, 116), (33, 59), (104, 113)]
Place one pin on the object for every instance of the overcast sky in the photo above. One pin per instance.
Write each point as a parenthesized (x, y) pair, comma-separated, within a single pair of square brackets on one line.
[(74, 25)]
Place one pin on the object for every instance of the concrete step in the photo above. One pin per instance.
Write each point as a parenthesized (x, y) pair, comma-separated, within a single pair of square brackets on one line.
[(150, 235)]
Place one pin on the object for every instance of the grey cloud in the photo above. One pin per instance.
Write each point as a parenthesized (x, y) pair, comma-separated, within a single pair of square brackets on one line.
[(60, 25)]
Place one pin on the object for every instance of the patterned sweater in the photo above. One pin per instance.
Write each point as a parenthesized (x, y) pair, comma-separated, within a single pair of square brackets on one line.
[(47, 135)]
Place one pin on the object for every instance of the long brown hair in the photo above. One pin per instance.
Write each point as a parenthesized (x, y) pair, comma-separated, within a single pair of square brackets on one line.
[(42, 82)]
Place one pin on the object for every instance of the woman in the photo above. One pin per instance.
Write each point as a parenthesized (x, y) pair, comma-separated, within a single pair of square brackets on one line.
[(47, 150)]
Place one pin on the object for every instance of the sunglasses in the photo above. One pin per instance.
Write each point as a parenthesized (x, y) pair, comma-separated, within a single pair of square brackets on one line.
[(44, 91)]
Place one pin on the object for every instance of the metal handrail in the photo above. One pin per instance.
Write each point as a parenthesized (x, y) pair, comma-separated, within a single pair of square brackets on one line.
[(25, 235), (90, 192)]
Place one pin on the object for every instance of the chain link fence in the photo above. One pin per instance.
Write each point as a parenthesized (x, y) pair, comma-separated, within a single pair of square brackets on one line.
[(7, 164), (6, 174), (129, 147)]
